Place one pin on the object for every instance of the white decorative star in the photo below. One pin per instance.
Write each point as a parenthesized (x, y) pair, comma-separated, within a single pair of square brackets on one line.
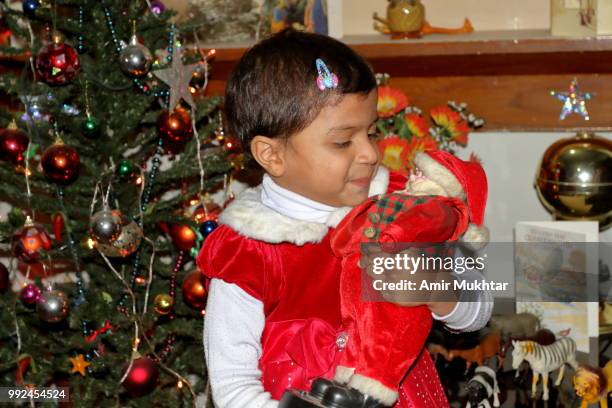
[(177, 77), (574, 101)]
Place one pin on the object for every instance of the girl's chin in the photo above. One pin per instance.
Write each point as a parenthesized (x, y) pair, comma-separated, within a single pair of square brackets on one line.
[(355, 198)]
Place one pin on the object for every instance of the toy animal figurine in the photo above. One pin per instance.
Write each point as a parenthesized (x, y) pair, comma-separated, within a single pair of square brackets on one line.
[(605, 314), (593, 385), (481, 387), (488, 347), (436, 350), (544, 359), (518, 325), (543, 337), (406, 19)]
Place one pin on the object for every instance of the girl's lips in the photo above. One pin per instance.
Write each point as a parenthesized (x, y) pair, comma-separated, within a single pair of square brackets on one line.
[(362, 182)]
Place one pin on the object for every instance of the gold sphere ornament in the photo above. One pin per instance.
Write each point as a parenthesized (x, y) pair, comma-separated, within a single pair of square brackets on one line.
[(574, 180), (164, 304)]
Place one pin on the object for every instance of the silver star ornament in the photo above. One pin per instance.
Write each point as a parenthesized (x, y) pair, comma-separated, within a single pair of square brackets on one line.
[(177, 77)]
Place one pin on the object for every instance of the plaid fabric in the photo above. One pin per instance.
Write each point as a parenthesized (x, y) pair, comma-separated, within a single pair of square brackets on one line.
[(386, 209)]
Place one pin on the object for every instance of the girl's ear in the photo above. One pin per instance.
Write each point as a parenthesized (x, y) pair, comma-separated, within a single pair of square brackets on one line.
[(269, 154)]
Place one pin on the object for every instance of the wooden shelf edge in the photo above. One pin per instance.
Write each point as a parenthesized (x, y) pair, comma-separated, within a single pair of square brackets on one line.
[(521, 52)]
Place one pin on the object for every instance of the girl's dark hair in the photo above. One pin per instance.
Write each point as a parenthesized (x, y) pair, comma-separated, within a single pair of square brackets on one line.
[(273, 92)]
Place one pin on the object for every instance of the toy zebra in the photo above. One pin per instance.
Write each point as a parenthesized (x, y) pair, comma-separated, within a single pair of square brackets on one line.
[(544, 359), (481, 387)]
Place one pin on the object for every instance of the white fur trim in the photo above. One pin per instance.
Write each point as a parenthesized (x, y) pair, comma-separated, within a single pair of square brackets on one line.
[(380, 182), (343, 374), (475, 237), (440, 174), (374, 388), (248, 216)]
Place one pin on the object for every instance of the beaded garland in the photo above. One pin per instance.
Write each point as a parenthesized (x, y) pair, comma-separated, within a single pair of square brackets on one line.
[(156, 159), (73, 250)]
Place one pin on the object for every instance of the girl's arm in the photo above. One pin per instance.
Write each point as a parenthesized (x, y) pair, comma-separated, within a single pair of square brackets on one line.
[(233, 326), (471, 313), (473, 310)]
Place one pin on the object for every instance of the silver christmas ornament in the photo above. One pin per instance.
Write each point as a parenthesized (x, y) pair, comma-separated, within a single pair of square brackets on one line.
[(135, 59), (52, 306), (105, 226), (128, 241)]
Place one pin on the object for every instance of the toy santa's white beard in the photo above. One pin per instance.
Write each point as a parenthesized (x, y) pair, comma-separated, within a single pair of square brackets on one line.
[(420, 185)]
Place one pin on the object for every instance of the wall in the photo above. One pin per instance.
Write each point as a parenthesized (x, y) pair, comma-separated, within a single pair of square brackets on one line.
[(484, 14), (356, 17), (511, 161)]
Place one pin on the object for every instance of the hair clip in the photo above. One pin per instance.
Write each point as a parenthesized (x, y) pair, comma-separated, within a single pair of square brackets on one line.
[(326, 78)]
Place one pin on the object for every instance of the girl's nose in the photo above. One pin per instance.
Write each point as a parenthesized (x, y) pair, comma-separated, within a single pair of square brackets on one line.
[(368, 152)]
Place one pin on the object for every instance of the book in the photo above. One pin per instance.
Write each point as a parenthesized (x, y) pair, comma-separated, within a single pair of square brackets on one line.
[(556, 277)]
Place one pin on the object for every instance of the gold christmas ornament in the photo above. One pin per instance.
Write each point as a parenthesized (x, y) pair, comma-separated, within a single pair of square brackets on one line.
[(164, 304), (574, 180)]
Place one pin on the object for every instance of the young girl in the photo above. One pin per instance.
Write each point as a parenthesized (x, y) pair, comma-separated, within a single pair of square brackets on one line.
[(304, 105)]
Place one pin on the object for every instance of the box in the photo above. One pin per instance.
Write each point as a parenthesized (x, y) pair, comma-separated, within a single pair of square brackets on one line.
[(581, 18)]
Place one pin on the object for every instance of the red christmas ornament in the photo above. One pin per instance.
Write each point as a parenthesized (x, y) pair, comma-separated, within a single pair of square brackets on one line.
[(22, 366), (164, 227), (142, 378), (60, 163), (194, 290), (13, 144), (175, 127), (183, 237), (57, 220), (30, 242), (5, 32), (4, 278), (57, 63), (200, 214), (231, 145)]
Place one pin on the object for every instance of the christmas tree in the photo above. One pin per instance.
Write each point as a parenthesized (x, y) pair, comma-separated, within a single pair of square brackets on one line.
[(107, 159)]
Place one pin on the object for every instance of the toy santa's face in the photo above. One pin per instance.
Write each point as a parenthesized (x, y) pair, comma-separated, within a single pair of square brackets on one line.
[(332, 161), (418, 184)]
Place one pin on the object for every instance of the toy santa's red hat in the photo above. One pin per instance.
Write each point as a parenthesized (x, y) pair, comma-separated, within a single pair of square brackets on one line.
[(463, 179)]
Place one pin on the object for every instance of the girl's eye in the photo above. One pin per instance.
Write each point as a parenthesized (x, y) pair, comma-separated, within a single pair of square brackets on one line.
[(372, 135), (343, 144)]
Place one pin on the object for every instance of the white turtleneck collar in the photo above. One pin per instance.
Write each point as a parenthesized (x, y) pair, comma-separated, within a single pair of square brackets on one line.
[(292, 204), (279, 215)]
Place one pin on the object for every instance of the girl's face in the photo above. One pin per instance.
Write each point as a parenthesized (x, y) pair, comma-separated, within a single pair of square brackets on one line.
[(332, 161)]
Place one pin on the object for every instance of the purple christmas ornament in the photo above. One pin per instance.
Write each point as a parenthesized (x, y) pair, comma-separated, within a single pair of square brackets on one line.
[(157, 7), (30, 294)]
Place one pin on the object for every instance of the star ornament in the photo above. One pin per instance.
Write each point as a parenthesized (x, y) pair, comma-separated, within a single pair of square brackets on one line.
[(79, 364), (177, 77), (574, 101)]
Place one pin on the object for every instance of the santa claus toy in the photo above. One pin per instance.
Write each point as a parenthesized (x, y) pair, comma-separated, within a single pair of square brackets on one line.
[(444, 201)]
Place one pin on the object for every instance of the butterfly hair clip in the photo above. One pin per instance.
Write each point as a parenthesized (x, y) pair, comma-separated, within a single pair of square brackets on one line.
[(326, 79)]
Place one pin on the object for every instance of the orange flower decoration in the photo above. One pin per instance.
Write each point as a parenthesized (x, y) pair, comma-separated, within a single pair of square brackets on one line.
[(453, 126), (390, 101), (394, 152), (416, 125), (424, 144)]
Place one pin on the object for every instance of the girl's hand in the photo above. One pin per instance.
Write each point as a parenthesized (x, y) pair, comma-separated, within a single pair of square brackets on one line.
[(441, 302), (442, 308)]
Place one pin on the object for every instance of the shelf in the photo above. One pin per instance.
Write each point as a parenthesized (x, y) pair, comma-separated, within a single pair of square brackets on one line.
[(480, 53), (504, 76)]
